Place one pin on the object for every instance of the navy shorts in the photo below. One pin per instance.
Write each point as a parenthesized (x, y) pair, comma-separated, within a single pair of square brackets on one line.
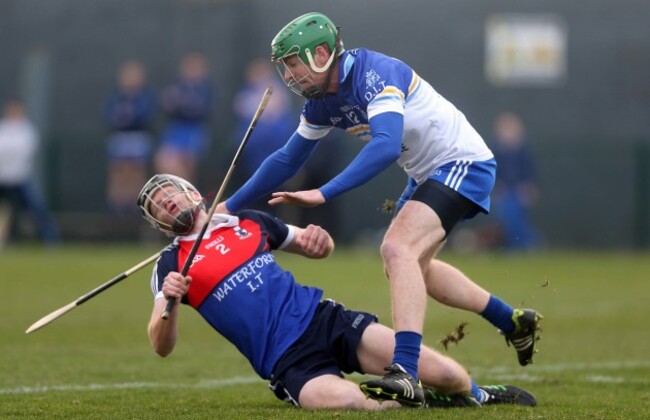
[(327, 347)]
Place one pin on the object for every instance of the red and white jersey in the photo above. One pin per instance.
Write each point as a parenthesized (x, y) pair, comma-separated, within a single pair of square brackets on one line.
[(238, 287)]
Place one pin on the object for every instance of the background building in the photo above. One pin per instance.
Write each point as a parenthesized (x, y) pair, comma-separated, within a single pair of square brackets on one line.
[(576, 73)]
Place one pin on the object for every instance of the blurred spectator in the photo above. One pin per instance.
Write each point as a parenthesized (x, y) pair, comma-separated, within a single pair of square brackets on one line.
[(516, 190), (187, 104), (128, 114), (277, 122), (19, 143), (274, 127)]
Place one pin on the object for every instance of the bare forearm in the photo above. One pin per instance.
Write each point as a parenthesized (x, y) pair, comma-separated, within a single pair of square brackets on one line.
[(163, 333)]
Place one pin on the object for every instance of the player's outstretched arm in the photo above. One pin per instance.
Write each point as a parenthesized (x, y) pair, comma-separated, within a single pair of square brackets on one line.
[(163, 333), (312, 242), (280, 166)]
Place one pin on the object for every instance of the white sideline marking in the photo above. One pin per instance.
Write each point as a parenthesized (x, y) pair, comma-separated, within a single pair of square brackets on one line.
[(503, 373), (498, 372), (210, 383), (630, 364)]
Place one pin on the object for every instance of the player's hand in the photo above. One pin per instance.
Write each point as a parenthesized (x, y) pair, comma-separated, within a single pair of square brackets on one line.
[(315, 242), (311, 198), (221, 208), (175, 285)]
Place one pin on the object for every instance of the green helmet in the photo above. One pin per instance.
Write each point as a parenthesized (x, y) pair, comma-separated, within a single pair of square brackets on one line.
[(302, 35)]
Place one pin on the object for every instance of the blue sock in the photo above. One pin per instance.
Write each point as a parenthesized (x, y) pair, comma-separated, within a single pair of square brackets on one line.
[(407, 351), (499, 314), (480, 395)]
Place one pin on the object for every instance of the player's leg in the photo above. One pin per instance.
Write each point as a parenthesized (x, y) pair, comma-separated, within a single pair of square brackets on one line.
[(448, 284), (445, 382), (35, 204), (332, 391), (5, 221), (413, 237), (410, 241), (451, 287), (375, 352)]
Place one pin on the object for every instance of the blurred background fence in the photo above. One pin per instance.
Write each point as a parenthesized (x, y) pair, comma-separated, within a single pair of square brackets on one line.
[(587, 117)]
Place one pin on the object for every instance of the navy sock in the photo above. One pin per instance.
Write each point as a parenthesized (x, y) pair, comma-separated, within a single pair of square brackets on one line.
[(407, 351), (499, 314)]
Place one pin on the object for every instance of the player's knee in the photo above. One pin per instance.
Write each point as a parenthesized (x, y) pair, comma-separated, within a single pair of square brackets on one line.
[(350, 401), (393, 251), (335, 397), (451, 377)]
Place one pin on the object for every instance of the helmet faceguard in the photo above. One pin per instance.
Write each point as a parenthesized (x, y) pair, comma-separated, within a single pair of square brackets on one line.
[(158, 202), (300, 37), (295, 82)]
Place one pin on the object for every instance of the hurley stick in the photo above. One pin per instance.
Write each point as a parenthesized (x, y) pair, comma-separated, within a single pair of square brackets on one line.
[(70, 306), (188, 263)]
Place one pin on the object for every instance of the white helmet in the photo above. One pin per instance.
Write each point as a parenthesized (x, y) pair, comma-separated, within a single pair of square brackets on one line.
[(184, 222)]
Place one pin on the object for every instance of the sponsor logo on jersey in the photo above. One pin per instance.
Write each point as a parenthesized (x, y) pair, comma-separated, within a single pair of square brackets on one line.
[(372, 78), (242, 233), (249, 274), (197, 258)]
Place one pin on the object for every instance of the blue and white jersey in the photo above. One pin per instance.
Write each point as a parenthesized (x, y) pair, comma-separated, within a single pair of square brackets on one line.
[(435, 131), (239, 289)]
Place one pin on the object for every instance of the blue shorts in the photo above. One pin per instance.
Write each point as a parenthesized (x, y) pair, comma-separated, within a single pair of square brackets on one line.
[(472, 180), (327, 347), (130, 145)]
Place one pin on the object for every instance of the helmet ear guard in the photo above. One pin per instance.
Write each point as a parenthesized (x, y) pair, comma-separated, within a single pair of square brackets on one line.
[(314, 66), (167, 186)]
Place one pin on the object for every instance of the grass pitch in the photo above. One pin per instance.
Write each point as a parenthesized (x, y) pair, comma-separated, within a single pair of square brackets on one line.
[(95, 362)]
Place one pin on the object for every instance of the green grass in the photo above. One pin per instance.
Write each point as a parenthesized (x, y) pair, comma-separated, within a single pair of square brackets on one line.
[(95, 362)]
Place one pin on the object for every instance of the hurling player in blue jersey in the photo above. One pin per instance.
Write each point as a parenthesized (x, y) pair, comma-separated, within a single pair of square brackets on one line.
[(291, 336), (450, 172)]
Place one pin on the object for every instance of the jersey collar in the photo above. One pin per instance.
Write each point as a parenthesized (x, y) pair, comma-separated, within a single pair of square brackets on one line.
[(218, 221), (345, 64)]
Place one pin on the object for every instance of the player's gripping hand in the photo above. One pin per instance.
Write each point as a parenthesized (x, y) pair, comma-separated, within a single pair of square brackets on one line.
[(315, 242), (175, 285)]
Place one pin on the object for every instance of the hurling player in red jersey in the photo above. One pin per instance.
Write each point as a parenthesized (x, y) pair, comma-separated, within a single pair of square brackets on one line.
[(292, 336)]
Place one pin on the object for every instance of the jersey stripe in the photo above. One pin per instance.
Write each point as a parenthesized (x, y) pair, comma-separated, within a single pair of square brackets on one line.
[(312, 131), (457, 174), (391, 99)]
